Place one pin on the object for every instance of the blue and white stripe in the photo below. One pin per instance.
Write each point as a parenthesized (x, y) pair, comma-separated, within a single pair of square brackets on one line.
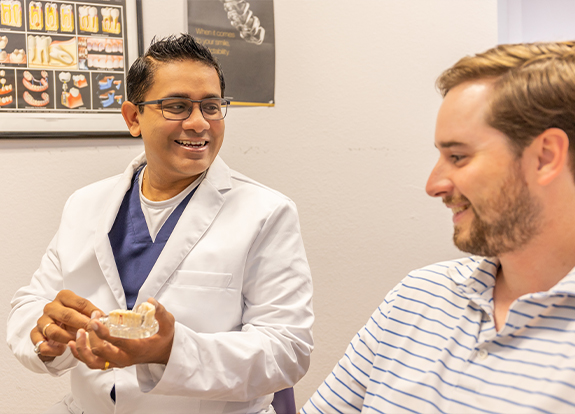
[(432, 347)]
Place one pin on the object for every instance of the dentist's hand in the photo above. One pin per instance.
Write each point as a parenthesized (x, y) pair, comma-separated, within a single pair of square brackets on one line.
[(59, 323), (99, 350)]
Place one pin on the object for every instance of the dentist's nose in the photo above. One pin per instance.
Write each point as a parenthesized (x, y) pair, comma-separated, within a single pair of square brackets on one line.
[(196, 120)]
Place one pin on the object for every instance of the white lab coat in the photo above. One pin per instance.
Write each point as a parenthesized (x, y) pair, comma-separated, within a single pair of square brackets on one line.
[(233, 273)]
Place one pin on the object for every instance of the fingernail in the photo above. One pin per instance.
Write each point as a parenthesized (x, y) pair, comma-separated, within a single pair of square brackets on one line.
[(94, 314), (77, 334)]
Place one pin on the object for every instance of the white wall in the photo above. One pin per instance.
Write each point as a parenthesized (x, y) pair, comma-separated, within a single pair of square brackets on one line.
[(535, 20), (350, 140)]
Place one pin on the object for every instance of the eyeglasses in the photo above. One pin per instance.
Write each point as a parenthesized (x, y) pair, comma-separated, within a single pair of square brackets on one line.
[(178, 109)]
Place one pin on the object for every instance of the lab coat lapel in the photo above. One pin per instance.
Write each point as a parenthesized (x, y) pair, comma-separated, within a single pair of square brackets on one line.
[(102, 246), (198, 216)]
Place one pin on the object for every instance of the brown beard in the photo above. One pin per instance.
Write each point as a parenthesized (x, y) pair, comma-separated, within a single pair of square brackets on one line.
[(517, 220)]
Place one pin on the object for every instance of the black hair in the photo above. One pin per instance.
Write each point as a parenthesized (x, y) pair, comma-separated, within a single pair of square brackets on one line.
[(169, 49)]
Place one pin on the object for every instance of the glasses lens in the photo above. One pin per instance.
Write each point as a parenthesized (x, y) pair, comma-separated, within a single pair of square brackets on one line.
[(214, 109), (176, 108)]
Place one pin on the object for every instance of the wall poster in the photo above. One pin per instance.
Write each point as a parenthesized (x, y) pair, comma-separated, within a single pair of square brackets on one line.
[(240, 34), (63, 66)]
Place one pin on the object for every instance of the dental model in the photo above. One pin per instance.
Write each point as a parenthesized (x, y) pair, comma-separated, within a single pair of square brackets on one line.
[(52, 23), (67, 17), (11, 13), (140, 323), (80, 81), (39, 49), (88, 18), (3, 42), (243, 19), (35, 102), (107, 98), (105, 83), (110, 23), (44, 52), (6, 100), (4, 89), (36, 18), (34, 84), (18, 56), (72, 99)]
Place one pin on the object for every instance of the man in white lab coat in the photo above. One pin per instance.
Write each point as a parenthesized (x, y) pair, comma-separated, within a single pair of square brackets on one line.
[(218, 254)]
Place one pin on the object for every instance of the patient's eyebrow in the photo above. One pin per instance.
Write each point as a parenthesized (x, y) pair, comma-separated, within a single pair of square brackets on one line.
[(450, 144)]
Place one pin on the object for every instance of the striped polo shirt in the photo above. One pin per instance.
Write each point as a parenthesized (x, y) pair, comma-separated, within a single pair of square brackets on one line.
[(432, 347)]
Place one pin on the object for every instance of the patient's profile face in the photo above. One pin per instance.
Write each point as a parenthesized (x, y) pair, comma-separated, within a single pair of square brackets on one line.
[(479, 176)]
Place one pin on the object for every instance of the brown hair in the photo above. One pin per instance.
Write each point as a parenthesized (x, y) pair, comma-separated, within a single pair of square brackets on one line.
[(534, 89)]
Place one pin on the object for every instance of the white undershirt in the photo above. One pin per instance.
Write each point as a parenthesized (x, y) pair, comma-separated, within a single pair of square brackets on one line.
[(157, 212)]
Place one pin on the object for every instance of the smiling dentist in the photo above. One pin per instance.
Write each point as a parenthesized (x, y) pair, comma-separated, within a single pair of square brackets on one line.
[(219, 255)]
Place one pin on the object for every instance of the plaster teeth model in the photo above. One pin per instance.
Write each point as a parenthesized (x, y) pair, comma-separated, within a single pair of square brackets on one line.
[(52, 17), (11, 13), (140, 323), (35, 15), (67, 17), (34, 84), (88, 18), (36, 102)]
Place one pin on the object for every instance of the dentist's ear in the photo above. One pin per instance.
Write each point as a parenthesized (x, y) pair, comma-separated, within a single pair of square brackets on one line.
[(131, 114), (551, 148)]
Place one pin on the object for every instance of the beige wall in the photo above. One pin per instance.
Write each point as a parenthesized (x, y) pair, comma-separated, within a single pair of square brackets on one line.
[(350, 140)]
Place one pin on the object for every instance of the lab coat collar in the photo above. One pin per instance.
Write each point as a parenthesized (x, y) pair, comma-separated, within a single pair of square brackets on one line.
[(194, 222)]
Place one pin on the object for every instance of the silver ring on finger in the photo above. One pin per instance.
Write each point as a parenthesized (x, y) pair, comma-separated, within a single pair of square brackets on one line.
[(37, 347)]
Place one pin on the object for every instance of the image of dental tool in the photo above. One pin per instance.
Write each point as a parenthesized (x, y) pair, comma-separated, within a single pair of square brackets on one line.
[(51, 20), (67, 18), (243, 19), (88, 16), (35, 15), (11, 13)]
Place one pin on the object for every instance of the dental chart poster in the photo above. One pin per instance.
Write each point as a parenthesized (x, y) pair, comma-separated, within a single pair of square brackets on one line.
[(62, 57), (240, 34)]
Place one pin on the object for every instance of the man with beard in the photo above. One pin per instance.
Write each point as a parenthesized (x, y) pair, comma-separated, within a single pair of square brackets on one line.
[(492, 332)]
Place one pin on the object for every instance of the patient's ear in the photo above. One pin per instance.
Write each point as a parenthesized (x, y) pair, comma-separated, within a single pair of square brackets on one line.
[(131, 115), (552, 150)]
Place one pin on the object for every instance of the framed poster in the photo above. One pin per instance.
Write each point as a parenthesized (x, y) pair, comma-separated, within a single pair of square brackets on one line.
[(63, 67), (241, 35)]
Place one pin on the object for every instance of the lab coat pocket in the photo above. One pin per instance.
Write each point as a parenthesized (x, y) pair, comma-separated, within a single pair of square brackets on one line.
[(203, 301), (190, 278)]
